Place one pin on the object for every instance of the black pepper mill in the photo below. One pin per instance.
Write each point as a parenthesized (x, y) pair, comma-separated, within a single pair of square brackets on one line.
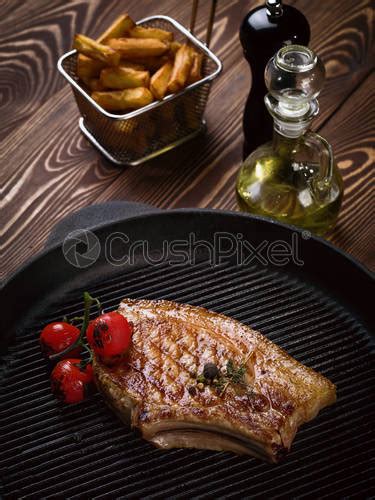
[(263, 32)]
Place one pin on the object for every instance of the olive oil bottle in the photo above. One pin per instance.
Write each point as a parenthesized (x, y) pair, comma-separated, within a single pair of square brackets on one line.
[(294, 178)]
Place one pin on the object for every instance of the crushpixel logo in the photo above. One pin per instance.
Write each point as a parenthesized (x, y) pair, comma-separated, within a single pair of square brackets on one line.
[(81, 248)]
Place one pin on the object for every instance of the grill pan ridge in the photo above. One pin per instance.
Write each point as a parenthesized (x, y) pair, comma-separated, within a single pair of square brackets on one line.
[(83, 451)]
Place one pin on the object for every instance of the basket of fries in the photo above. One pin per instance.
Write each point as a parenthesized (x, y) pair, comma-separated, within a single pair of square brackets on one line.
[(141, 88)]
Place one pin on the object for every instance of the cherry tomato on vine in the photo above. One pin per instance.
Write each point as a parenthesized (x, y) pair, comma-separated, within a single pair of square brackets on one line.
[(69, 381), (57, 336), (109, 335)]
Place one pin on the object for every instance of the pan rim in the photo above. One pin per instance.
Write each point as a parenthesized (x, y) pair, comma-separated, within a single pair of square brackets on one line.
[(209, 211)]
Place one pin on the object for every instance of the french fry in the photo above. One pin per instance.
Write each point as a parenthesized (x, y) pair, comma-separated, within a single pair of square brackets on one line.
[(159, 80), (141, 139), (132, 65), (91, 48), (93, 84), (166, 118), (88, 68), (123, 100), (134, 48), (123, 134), (174, 47), (120, 27), (116, 67), (187, 114), (181, 68), (124, 78), (141, 32), (196, 68), (152, 63)]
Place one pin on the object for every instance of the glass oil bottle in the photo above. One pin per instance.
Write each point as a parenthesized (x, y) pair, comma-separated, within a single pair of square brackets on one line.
[(294, 178)]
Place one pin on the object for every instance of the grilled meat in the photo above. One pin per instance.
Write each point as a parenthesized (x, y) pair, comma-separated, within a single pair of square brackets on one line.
[(257, 413)]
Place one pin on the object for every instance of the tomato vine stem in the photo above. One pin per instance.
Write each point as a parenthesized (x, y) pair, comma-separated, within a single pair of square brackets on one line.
[(87, 301)]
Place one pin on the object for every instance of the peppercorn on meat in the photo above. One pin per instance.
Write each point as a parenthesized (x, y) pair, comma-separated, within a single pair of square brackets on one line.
[(197, 379)]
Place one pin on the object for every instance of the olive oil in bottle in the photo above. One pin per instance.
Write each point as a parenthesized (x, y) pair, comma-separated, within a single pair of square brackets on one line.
[(294, 178)]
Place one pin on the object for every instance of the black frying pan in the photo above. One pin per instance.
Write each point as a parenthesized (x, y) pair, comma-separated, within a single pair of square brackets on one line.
[(320, 311)]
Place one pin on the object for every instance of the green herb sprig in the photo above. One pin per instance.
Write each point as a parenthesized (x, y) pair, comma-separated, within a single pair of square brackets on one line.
[(233, 374), (236, 374)]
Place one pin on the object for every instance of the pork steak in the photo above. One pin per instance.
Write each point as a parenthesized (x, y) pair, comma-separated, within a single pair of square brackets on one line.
[(157, 391)]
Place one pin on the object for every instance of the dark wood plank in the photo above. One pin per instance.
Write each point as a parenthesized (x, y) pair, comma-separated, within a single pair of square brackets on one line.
[(353, 137), (342, 35), (49, 170)]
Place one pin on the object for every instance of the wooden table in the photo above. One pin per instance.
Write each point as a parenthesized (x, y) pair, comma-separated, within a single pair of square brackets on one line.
[(49, 170)]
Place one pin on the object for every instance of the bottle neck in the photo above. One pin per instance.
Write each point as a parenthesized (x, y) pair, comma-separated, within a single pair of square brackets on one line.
[(283, 145), (293, 121), (289, 130)]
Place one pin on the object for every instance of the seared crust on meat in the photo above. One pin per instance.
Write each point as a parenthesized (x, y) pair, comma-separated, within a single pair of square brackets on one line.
[(171, 344)]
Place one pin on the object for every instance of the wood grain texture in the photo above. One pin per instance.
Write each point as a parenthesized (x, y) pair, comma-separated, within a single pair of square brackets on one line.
[(49, 170), (343, 38), (355, 154)]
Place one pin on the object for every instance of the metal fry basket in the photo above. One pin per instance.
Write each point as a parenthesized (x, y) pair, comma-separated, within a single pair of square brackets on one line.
[(137, 136)]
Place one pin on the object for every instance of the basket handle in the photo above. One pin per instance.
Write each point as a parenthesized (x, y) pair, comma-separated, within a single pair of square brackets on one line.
[(211, 19)]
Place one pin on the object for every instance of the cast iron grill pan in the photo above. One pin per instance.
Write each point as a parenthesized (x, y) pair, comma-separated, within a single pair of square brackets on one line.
[(83, 451)]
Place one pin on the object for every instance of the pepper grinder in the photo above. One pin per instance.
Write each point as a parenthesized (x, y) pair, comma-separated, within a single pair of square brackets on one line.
[(263, 32)]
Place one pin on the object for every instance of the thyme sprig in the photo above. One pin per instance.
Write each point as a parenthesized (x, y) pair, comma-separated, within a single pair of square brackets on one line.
[(236, 374), (233, 375)]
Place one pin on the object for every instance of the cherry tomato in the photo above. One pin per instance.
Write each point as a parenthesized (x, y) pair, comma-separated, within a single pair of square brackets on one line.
[(56, 337), (109, 336), (70, 382)]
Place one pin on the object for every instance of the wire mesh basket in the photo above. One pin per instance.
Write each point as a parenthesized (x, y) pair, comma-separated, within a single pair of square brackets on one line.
[(137, 136)]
